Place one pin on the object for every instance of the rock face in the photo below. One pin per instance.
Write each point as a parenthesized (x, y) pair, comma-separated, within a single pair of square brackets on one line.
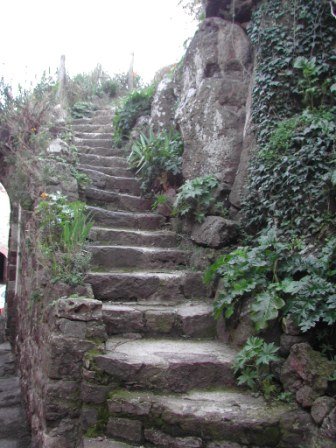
[(235, 10), (214, 88), (164, 104)]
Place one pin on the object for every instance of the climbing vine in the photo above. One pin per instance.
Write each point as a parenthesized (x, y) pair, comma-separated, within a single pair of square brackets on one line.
[(294, 117)]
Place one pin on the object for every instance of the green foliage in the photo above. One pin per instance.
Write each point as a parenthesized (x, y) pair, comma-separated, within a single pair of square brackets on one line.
[(295, 71), (292, 181), (252, 366), (197, 198), (82, 109), (65, 227), (157, 159), (280, 277), (133, 106)]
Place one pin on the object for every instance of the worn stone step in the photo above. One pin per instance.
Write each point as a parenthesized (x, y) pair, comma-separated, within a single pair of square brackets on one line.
[(103, 181), (96, 160), (94, 143), (211, 419), (94, 120), (137, 221), (10, 392), (93, 135), (116, 201), (190, 319), (118, 152), (101, 442), (111, 171), (168, 287), (111, 257), (89, 128), (166, 364), (160, 238), (12, 423)]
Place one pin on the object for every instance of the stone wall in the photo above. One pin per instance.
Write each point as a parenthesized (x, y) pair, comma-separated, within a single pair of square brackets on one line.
[(52, 327)]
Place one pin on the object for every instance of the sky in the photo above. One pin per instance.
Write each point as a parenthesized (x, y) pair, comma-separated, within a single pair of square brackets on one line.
[(35, 33)]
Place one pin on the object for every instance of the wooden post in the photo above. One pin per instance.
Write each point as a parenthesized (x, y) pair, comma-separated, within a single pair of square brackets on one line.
[(131, 74), (61, 94)]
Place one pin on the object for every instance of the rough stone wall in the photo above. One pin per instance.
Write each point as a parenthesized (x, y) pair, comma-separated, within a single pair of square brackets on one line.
[(51, 326), (54, 326)]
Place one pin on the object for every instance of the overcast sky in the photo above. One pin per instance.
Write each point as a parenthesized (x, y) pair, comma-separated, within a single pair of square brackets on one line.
[(34, 34)]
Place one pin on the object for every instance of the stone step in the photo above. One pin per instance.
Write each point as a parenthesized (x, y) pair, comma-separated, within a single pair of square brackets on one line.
[(116, 201), (96, 160), (88, 128), (211, 419), (129, 185), (94, 120), (127, 220), (124, 257), (119, 152), (190, 319), (166, 364), (94, 135), (94, 143), (166, 287), (161, 238), (101, 442), (111, 171)]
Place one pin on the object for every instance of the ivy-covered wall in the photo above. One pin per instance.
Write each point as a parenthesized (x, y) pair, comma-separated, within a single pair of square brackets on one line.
[(292, 174)]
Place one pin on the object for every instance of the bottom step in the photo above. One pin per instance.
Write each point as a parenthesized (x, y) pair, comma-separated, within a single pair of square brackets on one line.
[(205, 417)]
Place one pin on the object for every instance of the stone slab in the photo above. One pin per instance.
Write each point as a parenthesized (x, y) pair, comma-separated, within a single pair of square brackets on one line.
[(164, 286), (213, 415), (162, 364)]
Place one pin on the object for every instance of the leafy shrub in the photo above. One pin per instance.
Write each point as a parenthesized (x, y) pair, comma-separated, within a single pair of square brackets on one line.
[(65, 227), (196, 198), (110, 87), (157, 159), (82, 109), (280, 277), (252, 365), (134, 105)]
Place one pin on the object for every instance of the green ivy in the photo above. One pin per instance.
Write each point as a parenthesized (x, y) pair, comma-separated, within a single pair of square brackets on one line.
[(293, 117)]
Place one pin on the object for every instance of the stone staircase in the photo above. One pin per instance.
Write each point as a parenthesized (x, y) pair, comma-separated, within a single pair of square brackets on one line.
[(163, 380)]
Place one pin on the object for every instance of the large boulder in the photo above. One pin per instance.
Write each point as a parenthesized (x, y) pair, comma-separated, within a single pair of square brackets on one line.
[(215, 232), (212, 108)]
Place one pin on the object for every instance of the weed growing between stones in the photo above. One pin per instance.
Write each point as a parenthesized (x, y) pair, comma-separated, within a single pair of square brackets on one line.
[(158, 160), (197, 198), (65, 227), (252, 366)]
